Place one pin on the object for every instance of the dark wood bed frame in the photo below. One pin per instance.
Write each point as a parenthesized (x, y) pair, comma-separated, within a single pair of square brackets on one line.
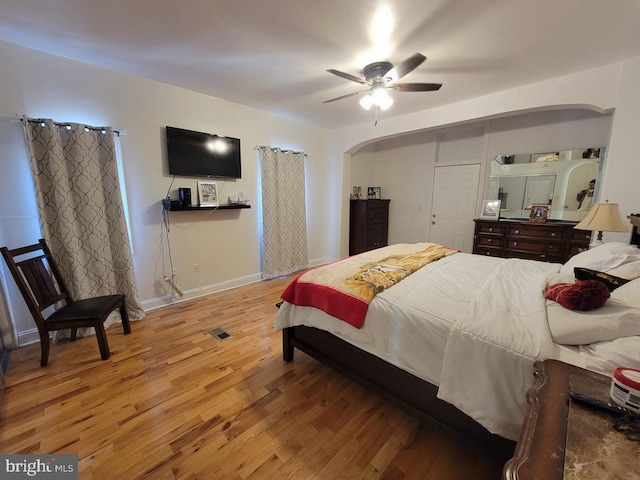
[(405, 390), (409, 392)]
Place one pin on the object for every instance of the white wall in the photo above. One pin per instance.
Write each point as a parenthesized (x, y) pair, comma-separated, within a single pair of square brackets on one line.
[(226, 244)]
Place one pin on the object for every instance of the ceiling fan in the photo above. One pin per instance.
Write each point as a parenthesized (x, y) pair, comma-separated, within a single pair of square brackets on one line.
[(383, 76)]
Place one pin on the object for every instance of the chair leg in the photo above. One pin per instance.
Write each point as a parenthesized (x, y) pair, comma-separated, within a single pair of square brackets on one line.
[(101, 335), (74, 333), (44, 349), (124, 315)]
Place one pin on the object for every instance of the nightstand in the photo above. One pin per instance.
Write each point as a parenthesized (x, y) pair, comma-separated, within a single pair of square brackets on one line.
[(558, 435)]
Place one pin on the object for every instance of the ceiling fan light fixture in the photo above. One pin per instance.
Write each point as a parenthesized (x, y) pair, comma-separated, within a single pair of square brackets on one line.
[(366, 101), (381, 98)]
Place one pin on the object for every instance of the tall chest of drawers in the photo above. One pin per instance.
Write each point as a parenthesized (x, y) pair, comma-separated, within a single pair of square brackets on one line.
[(553, 241), (368, 225)]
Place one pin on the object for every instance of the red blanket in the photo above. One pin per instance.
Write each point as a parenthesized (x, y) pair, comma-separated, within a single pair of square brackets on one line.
[(345, 288)]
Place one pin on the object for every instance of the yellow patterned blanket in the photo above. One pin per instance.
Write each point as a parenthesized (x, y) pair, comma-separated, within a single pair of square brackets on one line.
[(345, 288)]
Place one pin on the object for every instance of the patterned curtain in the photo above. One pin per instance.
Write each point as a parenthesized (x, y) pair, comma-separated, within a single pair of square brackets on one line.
[(284, 223), (80, 209)]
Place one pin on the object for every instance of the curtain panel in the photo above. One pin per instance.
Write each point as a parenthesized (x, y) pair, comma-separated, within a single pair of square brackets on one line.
[(75, 173), (284, 219)]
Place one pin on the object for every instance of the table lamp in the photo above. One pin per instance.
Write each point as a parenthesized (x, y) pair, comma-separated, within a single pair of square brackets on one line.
[(602, 217)]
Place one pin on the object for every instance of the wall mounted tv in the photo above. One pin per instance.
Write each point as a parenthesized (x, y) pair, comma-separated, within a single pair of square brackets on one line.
[(196, 154)]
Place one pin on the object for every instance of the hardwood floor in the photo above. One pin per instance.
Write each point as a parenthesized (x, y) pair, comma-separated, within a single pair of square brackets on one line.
[(175, 402)]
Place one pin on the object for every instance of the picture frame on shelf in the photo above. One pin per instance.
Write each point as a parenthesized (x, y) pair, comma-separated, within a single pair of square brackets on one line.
[(490, 209), (357, 193), (208, 194), (539, 213)]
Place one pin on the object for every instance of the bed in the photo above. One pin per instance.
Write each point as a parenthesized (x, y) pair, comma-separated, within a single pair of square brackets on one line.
[(455, 340)]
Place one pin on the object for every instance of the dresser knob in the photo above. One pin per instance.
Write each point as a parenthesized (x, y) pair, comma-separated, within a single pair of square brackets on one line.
[(515, 244), (489, 240), (517, 232), (553, 234), (490, 230)]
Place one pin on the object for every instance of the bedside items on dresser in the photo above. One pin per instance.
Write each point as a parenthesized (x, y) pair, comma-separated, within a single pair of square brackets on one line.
[(555, 241)]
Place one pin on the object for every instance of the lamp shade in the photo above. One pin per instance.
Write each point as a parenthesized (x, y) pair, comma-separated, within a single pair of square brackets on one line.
[(603, 217)]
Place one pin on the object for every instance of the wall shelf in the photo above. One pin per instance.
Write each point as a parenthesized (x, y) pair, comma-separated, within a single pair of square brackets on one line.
[(180, 208)]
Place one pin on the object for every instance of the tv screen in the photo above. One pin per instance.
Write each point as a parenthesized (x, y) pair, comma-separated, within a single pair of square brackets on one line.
[(197, 154)]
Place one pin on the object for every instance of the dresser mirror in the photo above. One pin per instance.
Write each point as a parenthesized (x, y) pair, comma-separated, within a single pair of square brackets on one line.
[(546, 178)]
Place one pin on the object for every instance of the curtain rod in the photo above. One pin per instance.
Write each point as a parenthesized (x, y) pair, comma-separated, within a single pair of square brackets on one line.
[(264, 147), (68, 124)]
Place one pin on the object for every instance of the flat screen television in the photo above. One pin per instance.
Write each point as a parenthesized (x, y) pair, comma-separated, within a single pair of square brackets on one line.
[(197, 154)]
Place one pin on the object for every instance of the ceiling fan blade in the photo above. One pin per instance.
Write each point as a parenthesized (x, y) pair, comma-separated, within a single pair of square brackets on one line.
[(348, 76), (415, 87), (407, 66), (353, 94)]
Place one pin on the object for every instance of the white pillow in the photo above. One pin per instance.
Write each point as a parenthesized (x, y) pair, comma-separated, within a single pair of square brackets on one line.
[(605, 357), (572, 327), (603, 257), (629, 293), (628, 270)]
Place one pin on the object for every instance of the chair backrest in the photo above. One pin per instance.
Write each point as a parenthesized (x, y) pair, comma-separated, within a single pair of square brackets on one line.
[(37, 277)]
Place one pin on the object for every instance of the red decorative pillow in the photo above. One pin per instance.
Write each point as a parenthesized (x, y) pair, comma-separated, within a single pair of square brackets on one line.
[(582, 295)]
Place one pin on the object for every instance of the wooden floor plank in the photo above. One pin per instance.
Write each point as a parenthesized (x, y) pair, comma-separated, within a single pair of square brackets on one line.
[(173, 402)]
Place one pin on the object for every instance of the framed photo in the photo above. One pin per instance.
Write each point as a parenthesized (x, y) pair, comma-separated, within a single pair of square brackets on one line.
[(539, 213), (374, 193), (357, 193), (490, 209), (208, 194)]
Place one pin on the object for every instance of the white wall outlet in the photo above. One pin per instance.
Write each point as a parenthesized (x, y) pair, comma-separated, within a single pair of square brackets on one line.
[(196, 267)]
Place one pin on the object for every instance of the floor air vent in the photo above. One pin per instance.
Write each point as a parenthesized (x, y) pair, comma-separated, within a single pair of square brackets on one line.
[(220, 333)]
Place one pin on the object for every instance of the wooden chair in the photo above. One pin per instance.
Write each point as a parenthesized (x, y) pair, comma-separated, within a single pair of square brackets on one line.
[(42, 286)]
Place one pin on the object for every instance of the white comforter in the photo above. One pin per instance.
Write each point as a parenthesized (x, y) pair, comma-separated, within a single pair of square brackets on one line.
[(491, 349)]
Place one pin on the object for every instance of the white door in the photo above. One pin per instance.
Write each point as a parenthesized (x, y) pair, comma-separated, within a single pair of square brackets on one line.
[(539, 189), (455, 196)]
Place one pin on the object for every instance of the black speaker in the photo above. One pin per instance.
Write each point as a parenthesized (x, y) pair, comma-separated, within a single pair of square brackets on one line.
[(185, 196)]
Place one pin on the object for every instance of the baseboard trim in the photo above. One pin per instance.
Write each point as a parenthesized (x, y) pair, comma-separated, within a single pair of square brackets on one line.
[(171, 299)]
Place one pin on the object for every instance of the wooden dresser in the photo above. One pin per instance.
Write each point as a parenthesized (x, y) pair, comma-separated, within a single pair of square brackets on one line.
[(552, 241), (368, 225)]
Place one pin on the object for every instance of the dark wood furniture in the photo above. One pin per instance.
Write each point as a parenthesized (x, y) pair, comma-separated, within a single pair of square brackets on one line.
[(42, 286), (409, 392), (368, 225), (552, 241), (553, 427)]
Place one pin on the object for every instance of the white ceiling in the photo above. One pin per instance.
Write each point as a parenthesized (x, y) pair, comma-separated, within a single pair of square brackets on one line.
[(273, 54)]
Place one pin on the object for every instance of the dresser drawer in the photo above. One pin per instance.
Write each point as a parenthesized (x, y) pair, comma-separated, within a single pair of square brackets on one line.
[(376, 241), (483, 228), (488, 252), (488, 241), (378, 213), (535, 247), (535, 231), (377, 229)]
